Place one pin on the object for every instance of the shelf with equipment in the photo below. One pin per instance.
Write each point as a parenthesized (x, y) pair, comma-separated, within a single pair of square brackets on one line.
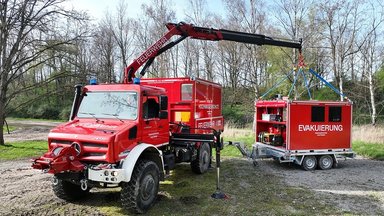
[(271, 122)]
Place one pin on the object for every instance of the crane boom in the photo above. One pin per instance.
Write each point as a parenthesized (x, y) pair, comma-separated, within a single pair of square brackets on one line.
[(188, 30)]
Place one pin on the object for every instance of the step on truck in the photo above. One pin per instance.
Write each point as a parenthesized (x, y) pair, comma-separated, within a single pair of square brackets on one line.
[(132, 134)]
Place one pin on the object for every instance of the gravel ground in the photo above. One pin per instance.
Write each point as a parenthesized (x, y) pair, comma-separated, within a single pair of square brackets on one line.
[(356, 186)]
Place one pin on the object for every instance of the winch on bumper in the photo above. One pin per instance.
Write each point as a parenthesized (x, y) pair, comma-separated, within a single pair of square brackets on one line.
[(59, 160), (65, 159)]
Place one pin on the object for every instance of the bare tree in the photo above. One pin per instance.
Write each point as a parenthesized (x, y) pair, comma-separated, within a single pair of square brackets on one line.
[(343, 21), (371, 60), (123, 28), (26, 27), (158, 13)]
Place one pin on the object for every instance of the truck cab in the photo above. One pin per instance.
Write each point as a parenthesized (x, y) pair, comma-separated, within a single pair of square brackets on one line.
[(112, 119)]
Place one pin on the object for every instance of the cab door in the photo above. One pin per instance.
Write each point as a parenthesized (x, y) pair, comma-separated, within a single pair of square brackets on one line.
[(155, 129)]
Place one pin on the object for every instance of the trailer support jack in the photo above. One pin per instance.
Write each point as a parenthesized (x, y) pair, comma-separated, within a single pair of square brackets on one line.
[(218, 194)]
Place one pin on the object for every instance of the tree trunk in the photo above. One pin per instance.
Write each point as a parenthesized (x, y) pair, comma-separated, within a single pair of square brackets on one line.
[(2, 116), (341, 88), (373, 103)]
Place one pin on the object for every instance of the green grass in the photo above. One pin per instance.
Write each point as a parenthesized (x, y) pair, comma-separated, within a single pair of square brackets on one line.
[(11, 128), (234, 152), (370, 150), (24, 149), (250, 191)]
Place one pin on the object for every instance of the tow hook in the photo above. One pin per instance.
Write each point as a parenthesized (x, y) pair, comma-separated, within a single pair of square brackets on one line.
[(84, 184), (55, 181)]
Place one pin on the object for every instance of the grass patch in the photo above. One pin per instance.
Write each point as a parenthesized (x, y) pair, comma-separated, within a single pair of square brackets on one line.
[(24, 149), (370, 150), (250, 191), (11, 128)]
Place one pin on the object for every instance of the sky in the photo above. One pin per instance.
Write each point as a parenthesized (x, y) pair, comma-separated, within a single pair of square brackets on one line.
[(97, 8)]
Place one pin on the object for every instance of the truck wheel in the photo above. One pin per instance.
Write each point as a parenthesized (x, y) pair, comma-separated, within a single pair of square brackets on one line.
[(67, 190), (325, 162), (201, 164), (309, 163), (139, 194)]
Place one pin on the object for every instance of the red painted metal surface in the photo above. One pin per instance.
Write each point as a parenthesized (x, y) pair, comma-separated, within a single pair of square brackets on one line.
[(202, 104), (105, 139), (307, 135), (293, 121)]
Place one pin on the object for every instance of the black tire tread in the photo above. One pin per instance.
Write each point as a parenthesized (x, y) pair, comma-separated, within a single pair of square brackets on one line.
[(130, 190), (195, 164), (305, 167), (320, 164), (68, 191)]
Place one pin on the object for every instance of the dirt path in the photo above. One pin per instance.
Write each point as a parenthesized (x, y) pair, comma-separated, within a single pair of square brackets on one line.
[(29, 130), (28, 192)]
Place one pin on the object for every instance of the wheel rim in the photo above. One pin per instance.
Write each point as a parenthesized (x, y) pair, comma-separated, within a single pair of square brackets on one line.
[(310, 163), (204, 160), (148, 187), (326, 162)]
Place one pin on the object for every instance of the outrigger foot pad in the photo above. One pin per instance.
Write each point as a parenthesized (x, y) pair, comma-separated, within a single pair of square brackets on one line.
[(219, 195)]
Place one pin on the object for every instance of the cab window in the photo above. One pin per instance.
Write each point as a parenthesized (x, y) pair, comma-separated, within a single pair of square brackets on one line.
[(151, 108)]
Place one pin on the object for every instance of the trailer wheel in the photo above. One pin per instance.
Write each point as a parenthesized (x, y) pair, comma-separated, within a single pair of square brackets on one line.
[(67, 190), (325, 162), (309, 163), (201, 164), (139, 194)]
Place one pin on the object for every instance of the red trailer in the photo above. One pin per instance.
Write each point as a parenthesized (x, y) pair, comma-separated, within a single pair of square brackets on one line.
[(309, 133)]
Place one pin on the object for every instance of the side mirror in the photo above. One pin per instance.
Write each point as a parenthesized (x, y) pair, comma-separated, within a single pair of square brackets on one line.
[(163, 114), (163, 102)]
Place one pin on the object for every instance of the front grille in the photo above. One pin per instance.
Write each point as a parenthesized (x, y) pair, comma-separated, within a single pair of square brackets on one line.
[(98, 145), (88, 149), (61, 142)]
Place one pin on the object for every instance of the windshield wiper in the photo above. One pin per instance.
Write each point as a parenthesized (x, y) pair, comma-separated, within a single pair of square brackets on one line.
[(91, 114), (114, 115)]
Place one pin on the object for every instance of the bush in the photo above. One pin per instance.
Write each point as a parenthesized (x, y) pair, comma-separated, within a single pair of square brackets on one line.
[(65, 112), (44, 111)]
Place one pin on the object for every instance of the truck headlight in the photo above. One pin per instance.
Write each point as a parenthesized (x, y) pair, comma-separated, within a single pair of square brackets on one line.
[(56, 151)]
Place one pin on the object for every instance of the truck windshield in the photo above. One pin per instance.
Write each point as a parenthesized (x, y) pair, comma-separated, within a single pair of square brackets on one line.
[(120, 105)]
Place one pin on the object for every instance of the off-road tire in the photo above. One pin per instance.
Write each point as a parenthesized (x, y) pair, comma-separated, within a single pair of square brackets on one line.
[(67, 190), (203, 160), (309, 163), (325, 162), (140, 193)]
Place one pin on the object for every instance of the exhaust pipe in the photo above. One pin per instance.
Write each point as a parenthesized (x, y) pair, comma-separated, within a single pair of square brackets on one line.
[(76, 101)]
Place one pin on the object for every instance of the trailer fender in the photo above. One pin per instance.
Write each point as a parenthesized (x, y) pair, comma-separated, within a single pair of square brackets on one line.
[(142, 151), (335, 161), (298, 159)]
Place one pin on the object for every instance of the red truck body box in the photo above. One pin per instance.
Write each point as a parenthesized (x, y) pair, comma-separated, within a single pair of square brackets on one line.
[(304, 125), (192, 101)]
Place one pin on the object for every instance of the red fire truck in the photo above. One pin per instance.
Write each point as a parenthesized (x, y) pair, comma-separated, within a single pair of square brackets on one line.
[(132, 134)]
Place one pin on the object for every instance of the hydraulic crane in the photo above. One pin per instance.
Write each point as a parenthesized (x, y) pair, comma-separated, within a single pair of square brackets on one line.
[(188, 30)]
